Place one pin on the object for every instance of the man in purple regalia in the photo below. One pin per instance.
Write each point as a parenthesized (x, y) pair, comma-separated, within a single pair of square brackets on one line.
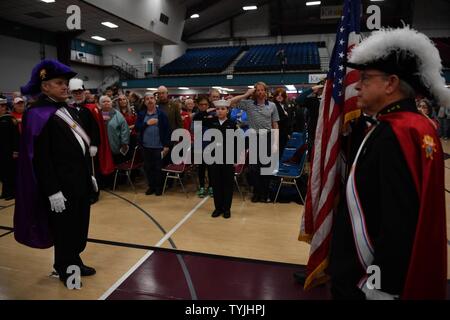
[(54, 180)]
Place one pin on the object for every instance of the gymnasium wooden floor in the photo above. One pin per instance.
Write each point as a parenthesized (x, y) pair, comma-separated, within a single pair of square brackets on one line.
[(169, 247)]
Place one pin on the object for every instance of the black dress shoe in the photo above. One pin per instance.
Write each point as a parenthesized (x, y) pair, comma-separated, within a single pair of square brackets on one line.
[(87, 271), (227, 214), (7, 198), (64, 278), (216, 213), (64, 281), (255, 198), (149, 191), (94, 199), (158, 193), (264, 200)]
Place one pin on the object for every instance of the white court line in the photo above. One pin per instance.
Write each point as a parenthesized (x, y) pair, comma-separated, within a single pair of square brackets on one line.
[(149, 253)]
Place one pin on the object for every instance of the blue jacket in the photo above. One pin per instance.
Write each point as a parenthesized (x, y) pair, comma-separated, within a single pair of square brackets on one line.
[(163, 125)]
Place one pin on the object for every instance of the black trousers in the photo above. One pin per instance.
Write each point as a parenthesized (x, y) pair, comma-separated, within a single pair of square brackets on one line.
[(70, 232), (152, 167), (222, 183), (7, 176), (260, 181)]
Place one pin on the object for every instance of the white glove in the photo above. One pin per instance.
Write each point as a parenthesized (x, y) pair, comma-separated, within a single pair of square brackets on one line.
[(57, 202), (374, 294), (92, 151)]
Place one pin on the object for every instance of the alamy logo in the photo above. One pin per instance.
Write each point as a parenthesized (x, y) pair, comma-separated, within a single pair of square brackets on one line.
[(374, 20), (209, 147), (374, 280), (73, 22), (74, 280)]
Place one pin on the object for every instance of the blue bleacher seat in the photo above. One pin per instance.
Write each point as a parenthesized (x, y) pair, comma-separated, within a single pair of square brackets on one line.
[(204, 60), (264, 57)]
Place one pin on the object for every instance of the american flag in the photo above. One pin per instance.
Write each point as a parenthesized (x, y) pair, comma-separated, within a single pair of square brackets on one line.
[(338, 105)]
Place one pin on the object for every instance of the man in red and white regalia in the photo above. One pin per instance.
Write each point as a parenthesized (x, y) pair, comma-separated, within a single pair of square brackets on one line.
[(392, 217)]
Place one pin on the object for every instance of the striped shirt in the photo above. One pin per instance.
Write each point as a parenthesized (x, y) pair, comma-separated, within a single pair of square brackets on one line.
[(260, 116)]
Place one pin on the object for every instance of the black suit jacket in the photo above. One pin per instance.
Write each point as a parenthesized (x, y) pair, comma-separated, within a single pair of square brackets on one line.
[(213, 123), (59, 161)]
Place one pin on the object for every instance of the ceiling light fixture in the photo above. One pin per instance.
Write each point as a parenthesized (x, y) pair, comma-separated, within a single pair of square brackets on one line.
[(313, 3), (48, 1), (291, 87), (98, 38), (183, 88), (248, 8), (110, 25), (195, 16)]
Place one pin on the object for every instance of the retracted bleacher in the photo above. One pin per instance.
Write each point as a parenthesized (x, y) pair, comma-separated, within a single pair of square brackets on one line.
[(258, 58), (271, 57), (204, 60)]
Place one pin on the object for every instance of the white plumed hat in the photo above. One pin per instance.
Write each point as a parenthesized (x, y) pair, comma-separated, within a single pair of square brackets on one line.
[(407, 53)]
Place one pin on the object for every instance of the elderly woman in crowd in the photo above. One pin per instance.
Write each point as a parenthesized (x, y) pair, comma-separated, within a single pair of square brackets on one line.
[(118, 130), (129, 113)]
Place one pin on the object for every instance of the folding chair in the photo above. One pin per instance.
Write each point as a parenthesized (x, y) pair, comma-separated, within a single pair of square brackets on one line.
[(297, 139), (174, 171), (289, 174), (238, 169), (136, 162)]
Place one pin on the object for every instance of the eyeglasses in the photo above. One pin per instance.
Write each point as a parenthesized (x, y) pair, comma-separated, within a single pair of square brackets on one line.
[(366, 76)]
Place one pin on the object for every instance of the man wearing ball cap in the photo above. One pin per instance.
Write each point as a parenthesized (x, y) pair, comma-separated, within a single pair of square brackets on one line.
[(392, 217)]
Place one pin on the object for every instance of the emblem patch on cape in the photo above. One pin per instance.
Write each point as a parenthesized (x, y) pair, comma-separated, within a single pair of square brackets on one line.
[(429, 146)]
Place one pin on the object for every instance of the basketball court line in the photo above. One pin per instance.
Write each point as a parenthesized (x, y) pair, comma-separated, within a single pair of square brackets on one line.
[(6, 207), (5, 234), (159, 226), (182, 252), (149, 253)]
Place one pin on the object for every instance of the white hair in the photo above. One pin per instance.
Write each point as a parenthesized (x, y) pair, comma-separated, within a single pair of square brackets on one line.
[(103, 98)]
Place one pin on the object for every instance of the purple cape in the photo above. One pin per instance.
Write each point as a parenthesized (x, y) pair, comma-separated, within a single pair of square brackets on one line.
[(31, 213)]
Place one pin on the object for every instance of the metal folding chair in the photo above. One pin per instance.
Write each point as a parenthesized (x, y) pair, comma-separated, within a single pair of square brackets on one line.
[(289, 174), (135, 162)]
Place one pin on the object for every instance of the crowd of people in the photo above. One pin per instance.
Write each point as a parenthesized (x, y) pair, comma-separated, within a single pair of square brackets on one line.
[(117, 122), (68, 142)]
